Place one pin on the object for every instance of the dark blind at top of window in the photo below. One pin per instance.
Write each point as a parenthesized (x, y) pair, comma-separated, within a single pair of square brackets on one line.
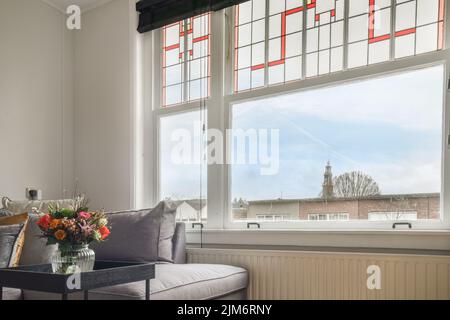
[(154, 14)]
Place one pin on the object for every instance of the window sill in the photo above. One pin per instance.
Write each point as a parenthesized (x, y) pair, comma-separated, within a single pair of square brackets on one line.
[(389, 239)]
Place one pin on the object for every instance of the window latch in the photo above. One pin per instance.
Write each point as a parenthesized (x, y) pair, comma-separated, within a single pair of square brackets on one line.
[(256, 224), (394, 226), (201, 225)]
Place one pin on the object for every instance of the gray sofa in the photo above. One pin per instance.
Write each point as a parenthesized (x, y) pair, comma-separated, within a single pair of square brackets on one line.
[(174, 281)]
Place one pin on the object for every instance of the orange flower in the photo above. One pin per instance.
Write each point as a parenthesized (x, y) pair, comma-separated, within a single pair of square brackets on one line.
[(60, 235), (55, 223), (104, 231)]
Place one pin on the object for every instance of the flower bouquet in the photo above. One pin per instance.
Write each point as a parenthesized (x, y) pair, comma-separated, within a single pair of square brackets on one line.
[(73, 229)]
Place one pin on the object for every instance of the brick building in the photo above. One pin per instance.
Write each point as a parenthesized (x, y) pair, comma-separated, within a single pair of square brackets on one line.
[(328, 207), (383, 207)]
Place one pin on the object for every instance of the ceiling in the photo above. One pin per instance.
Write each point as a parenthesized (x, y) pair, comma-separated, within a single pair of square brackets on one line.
[(84, 4)]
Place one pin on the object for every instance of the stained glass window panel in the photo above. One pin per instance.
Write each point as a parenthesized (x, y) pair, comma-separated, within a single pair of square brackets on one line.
[(186, 60), (312, 34), (369, 32), (419, 27), (324, 32), (284, 40), (250, 50)]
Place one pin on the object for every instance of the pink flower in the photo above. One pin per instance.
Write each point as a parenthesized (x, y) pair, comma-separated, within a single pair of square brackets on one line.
[(84, 215)]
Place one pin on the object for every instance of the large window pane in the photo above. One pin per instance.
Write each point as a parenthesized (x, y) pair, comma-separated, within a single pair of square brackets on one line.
[(366, 150), (183, 167)]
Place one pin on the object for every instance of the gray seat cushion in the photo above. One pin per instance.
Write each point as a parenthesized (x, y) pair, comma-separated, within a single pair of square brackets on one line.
[(173, 282), (12, 294)]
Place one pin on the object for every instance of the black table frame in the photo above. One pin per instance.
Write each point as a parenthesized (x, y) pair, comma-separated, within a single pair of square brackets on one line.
[(106, 273)]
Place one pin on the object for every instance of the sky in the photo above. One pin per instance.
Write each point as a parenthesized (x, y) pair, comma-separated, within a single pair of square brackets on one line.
[(389, 128)]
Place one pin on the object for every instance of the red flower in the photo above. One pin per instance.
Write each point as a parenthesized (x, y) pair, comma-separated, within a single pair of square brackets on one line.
[(44, 222), (104, 231)]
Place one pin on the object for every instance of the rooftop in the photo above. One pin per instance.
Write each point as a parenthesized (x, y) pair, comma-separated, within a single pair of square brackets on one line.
[(377, 197)]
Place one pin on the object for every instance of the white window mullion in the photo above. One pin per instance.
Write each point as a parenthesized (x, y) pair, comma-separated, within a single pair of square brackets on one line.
[(346, 28), (304, 40), (229, 50), (186, 64), (445, 193), (216, 193), (447, 25), (151, 102), (393, 21), (266, 45)]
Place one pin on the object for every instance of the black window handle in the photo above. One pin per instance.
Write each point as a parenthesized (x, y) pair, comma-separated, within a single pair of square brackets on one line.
[(394, 226), (253, 224), (198, 224)]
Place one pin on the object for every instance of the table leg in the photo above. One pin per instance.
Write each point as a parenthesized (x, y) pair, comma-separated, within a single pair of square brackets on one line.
[(86, 295), (65, 297), (147, 290)]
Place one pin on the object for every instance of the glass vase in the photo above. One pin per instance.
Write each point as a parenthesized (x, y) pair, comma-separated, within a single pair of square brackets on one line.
[(70, 259)]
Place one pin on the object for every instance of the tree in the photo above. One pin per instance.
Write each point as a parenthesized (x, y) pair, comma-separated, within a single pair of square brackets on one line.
[(355, 184)]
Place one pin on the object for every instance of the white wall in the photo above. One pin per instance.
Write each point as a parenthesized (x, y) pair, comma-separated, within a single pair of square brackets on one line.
[(36, 101), (66, 102), (103, 112)]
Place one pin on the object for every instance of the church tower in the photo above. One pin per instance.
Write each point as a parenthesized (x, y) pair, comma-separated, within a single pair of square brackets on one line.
[(327, 186)]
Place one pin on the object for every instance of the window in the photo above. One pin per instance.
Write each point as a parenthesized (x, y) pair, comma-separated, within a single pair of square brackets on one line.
[(182, 165), (392, 164), (277, 41), (271, 217), (393, 216), (185, 79), (328, 217), (317, 139), (186, 60)]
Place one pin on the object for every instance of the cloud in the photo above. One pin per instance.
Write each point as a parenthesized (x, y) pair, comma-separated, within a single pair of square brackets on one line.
[(416, 173), (411, 100)]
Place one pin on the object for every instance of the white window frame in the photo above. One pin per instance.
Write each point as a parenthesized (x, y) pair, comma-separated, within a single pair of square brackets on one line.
[(219, 202), (348, 76), (154, 110)]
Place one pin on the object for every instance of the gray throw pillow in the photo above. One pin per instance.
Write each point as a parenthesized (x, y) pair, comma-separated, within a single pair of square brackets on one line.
[(139, 236), (9, 241), (35, 251)]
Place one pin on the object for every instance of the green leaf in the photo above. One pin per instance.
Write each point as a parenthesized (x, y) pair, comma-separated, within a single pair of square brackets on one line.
[(51, 241), (67, 213)]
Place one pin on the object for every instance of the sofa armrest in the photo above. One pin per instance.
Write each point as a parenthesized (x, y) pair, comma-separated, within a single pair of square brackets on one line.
[(179, 244)]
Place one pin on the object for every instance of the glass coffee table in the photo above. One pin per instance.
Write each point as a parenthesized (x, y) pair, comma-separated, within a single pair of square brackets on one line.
[(105, 274)]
